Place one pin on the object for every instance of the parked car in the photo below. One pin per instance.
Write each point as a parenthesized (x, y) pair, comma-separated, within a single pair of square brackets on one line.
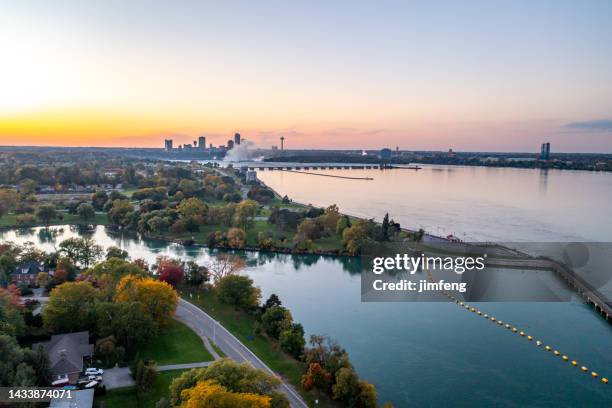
[(94, 371), (94, 378), (91, 384)]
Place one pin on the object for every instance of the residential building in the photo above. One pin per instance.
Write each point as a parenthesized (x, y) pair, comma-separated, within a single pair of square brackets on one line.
[(66, 353), (26, 273)]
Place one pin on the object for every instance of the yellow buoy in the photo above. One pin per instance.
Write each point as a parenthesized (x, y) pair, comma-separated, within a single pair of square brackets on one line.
[(529, 338), (467, 307), (556, 353), (594, 374), (604, 380), (514, 330), (538, 343), (583, 368), (500, 322), (574, 363), (522, 333), (547, 348), (492, 319), (507, 326), (479, 312), (565, 358), (473, 310)]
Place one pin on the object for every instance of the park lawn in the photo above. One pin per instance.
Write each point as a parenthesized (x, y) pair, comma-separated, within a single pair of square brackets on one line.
[(126, 397), (175, 344), (10, 220), (241, 325)]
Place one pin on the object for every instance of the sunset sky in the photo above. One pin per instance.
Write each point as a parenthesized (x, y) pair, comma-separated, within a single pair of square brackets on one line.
[(468, 75)]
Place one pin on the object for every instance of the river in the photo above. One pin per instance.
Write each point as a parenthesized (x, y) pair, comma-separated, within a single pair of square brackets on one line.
[(417, 354), (473, 203)]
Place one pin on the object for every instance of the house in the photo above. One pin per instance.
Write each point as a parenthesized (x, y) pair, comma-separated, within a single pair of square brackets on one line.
[(26, 273), (66, 353), (79, 399)]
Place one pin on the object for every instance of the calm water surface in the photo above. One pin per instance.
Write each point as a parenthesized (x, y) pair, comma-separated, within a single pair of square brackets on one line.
[(418, 354), (474, 203)]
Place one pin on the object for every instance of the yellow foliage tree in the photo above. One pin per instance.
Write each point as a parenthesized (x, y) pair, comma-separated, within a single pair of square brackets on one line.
[(156, 299), (209, 394)]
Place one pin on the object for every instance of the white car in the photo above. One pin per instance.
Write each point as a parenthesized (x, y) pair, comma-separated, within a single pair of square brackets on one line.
[(94, 371), (94, 378)]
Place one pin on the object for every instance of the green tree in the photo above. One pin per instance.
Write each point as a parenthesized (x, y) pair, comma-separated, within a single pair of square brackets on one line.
[(70, 308), (119, 212), (45, 213), (192, 207), (86, 212), (245, 213), (116, 252), (385, 228), (238, 290), (355, 236), (275, 320), (292, 340), (144, 374), (346, 386), (83, 251)]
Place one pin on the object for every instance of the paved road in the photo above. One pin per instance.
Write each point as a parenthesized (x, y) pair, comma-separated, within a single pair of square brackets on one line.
[(206, 326)]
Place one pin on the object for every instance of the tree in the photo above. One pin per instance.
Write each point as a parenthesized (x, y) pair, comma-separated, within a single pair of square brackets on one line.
[(196, 274), (238, 291), (45, 213), (82, 251), (70, 308), (115, 252), (273, 300), (108, 349), (343, 223), (98, 199), (192, 207), (170, 272), (245, 213), (233, 376), (144, 374), (43, 279), (86, 212), (355, 236), (385, 228), (275, 320), (9, 198), (236, 238), (224, 264), (327, 353), (27, 187), (154, 298), (367, 397), (309, 229), (119, 212), (346, 386), (127, 324), (208, 394), (292, 340), (316, 377)]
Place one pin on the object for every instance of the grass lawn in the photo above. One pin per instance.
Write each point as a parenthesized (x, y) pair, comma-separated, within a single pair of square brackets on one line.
[(126, 397), (176, 344), (241, 325), (10, 220)]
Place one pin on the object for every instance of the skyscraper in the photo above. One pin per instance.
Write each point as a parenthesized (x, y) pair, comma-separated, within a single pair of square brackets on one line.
[(202, 142), (230, 144), (237, 138), (168, 144), (545, 151)]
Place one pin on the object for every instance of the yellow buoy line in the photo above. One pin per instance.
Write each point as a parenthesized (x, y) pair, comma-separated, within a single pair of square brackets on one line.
[(513, 329)]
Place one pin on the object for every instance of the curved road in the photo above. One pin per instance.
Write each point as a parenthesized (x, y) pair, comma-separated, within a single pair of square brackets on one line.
[(205, 326)]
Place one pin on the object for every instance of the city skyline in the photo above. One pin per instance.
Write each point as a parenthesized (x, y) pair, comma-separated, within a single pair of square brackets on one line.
[(472, 77)]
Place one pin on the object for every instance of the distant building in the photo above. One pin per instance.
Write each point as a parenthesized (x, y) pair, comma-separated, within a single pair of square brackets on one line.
[(451, 154), (202, 142), (282, 139), (274, 148), (230, 144), (168, 144), (26, 273), (66, 353), (545, 151), (251, 175), (237, 138)]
